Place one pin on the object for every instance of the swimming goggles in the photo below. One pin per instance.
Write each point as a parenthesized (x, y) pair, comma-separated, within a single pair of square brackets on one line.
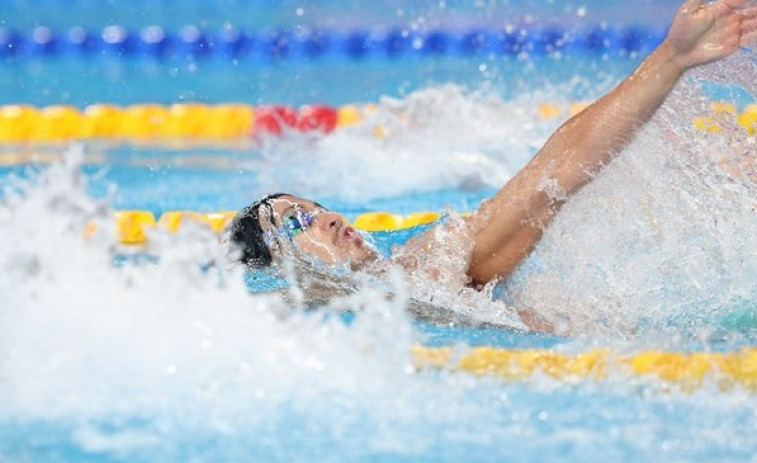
[(294, 223)]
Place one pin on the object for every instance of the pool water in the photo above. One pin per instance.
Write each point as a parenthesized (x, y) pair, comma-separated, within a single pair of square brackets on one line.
[(110, 353)]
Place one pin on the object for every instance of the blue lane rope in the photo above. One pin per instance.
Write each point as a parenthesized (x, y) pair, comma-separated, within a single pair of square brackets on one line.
[(192, 42)]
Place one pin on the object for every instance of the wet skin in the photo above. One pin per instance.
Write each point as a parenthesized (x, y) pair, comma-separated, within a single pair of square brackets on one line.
[(507, 227), (329, 237)]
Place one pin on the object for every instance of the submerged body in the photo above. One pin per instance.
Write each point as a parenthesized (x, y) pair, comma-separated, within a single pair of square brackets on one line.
[(491, 243)]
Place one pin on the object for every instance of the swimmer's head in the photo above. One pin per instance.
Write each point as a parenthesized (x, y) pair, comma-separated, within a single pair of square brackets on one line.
[(282, 224)]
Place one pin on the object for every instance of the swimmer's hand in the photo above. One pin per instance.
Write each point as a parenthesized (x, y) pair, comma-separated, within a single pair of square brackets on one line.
[(704, 33), (513, 221)]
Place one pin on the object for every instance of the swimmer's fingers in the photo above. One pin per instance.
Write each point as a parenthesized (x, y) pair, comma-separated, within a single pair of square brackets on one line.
[(727, 8), (749, 39), (690, 7), (748, 26), (731, 4)]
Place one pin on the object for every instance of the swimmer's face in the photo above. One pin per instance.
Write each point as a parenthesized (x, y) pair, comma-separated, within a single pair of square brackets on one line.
[(316, 231)]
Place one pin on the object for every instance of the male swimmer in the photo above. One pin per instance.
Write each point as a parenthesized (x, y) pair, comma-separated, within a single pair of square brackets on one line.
[(506, 228)]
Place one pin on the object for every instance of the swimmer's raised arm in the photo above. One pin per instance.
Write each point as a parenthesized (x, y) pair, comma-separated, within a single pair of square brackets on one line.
[(509, 225)]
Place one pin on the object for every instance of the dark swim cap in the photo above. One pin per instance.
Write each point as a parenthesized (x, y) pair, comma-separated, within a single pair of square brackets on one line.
[(248, 234)]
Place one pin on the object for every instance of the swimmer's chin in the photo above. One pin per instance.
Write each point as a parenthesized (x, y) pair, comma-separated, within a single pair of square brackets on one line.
[(361, 264)]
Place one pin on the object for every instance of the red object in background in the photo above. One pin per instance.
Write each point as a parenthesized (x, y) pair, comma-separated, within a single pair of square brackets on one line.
[(272, 119), (317, 117)]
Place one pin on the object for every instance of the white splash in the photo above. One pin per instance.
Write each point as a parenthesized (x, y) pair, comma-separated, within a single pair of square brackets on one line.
[(81, 337), (440, 137), (661, 241), (164, 361)]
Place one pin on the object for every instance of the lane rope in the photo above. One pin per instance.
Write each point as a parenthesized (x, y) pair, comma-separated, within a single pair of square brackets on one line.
[(688, 371), (218, 122), (192, 42), (133, 226)]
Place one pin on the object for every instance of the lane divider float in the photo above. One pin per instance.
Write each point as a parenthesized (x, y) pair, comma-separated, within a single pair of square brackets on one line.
[(685, 370), (192, 42), (214, 122), (132, 226), (60, 123)]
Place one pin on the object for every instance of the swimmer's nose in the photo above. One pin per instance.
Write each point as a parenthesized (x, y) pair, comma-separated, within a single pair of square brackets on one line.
[(329, 220)]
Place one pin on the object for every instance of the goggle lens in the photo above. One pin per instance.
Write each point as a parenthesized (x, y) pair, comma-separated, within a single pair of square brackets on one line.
[(297, 222)]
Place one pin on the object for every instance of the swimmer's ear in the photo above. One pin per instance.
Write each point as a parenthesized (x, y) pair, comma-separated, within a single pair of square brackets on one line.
[(273, 241)]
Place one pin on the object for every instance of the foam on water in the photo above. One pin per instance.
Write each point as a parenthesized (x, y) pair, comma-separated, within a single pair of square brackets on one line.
[(164, 361), (660, 240), (73, 323), (440, 137), (161, 359)]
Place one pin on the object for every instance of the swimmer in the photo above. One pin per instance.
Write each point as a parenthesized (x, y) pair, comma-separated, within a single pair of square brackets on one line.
[(507, 227)]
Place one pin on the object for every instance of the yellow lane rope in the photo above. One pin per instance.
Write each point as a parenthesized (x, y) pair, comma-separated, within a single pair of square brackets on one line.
[(61, 123), (133, 226), (687, 370)]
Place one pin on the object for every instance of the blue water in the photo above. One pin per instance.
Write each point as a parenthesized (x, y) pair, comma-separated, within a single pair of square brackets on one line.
[(334, 78), (167, 188), (268, 14), (333, 81), (163, 368), (541, 426)]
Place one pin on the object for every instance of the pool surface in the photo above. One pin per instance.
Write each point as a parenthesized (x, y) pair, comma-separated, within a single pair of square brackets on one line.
[(156, 352)]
